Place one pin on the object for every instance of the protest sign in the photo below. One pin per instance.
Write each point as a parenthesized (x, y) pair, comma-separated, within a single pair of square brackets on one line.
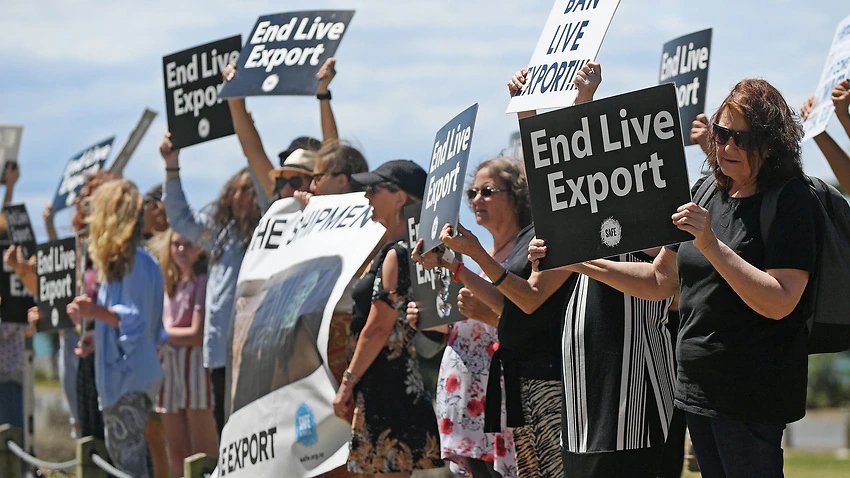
[(87, 162), (57, 283), (285, 51), (433, 290), (444, 186), (571, 38), (835, 70), (280, 390), (10, 144), (606, 176), (15, 298), (192, 82), (20, 228), (684, 61), (133, 140)]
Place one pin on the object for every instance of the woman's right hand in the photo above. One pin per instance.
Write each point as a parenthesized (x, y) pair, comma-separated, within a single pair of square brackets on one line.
[(229, 72), (471, 306), (516, 82), (536, 251), (806, 110), (169, 154), (86, 345), (429, 260), (841, 98), (700, 132)]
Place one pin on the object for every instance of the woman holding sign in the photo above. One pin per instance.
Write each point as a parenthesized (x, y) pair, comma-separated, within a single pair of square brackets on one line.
[(128, 325), (393, 428), (742, 341)]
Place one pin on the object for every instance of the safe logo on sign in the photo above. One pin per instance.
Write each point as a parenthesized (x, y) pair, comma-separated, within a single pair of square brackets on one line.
[(305, 426), (611, 232)]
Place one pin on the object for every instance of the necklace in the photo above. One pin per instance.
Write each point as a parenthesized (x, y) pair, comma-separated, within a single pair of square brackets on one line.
[(497, 251)]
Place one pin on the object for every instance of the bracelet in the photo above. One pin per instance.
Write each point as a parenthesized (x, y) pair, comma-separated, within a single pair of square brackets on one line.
[(501, 279), (172, 170), (456, 275), (350, 376), (324, 96)]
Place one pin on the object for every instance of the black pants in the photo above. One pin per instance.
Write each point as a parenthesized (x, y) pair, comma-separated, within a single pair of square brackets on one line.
[(217, 377), (730, 449)]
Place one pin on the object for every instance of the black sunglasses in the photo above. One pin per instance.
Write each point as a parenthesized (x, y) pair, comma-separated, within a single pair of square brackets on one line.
[(372, 188), (721, 135), (295, 181), (486, 192)]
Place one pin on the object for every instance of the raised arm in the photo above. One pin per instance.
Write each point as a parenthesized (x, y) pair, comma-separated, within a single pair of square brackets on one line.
[(249, 138), (837, 158), (700, 132), (198, 227), (841, 100), (515, 85), (326, 75), (49, 224)]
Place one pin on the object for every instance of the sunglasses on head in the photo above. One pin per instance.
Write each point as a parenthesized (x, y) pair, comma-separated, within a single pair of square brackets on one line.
[(295, 182), (486, 192), (373, 188), (721, 135)]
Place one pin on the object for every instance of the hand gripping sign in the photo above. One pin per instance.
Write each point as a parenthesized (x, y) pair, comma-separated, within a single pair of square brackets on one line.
[(570, 39), (285, 51), (606, 176)]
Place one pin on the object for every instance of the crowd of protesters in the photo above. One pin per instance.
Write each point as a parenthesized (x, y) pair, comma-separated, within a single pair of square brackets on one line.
[(534, 382)]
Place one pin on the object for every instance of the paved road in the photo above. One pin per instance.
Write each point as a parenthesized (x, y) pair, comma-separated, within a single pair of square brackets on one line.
[(820, 430)]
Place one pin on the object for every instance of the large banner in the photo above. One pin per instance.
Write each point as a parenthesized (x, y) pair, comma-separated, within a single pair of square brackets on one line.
[(88, 161), (835, 70), (192, 84), (433, 290), (10, 144), (279, 388), (285, 51), (444, 185), (684, 61), (15, 298), (606, 176), (57, 283), (571, 38)]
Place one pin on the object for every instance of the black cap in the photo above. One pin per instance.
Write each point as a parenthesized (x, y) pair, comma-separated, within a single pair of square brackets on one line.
[(404, 173), (301, 142), (154, 193)]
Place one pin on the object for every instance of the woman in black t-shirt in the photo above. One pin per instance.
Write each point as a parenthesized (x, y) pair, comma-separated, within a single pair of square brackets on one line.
[(742, 343)]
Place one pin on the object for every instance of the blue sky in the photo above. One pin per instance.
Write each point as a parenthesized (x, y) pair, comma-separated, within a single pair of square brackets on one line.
[(75, 73)]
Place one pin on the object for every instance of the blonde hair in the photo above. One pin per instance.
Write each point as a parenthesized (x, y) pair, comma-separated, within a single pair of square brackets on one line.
[(160, 246), (114, 230)]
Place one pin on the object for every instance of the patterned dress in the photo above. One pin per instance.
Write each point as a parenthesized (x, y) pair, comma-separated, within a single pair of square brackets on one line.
[(461, 394), (394, 427)]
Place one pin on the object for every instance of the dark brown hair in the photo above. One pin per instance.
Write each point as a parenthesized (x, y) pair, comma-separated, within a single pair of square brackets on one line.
[(223, 213), (775, 130), (341, 158)]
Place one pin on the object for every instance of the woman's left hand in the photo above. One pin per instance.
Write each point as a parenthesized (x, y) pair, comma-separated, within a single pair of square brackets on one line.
[(464, 243), (344, 401), (697, 221), (429, 260)]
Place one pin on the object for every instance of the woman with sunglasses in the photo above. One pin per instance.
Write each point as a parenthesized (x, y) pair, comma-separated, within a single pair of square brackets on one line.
[(393, 428), (224, 230), (742, 340), (499, 199), (294, 174)]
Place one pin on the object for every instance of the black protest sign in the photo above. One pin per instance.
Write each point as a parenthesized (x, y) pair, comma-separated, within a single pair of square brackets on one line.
[(57, 283), (15, 298), (20, 228), (684, 61), (10, 144), (437, 304), (606, 176), (192, 83), (85, 163), (444, 186), (285, 51)]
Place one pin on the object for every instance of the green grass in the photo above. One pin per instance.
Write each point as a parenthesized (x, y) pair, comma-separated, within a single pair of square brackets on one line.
[(800, 464)]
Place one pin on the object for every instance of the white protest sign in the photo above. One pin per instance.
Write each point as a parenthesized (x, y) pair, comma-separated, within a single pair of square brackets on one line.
[(571, 38), (835, 70), (280, 390)]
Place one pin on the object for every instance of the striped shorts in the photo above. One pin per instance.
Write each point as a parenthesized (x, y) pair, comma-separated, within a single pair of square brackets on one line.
[(185, 381)]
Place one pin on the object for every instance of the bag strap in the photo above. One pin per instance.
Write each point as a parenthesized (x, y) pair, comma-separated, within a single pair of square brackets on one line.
[(768, 209), (706, 189)]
